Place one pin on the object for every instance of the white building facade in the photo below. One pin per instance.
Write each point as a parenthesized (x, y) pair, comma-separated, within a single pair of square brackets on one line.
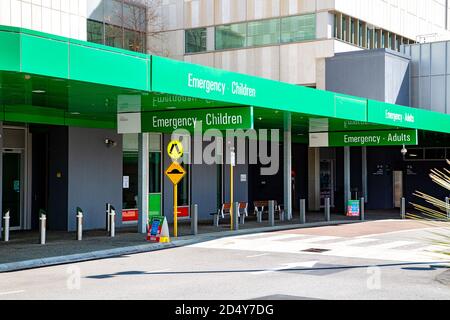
[(288, 40)]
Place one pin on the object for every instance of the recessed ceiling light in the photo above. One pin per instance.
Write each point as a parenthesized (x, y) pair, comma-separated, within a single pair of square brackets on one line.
[(171, 108), (38, 91), (260, 118), (75, 113)]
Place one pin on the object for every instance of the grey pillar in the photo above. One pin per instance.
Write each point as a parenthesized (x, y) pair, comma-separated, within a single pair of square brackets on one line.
[(327, 210), (403, 208), (272, 213), (194, 219), (236, 216), (302, 211), (347, 186), (287, 146), (143, 189), (362, 209), (364, 174)]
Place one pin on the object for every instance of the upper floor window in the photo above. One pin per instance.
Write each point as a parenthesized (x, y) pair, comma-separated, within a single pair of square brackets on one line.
[(298, 28), (195, 40), (231, 36), (117, 23)]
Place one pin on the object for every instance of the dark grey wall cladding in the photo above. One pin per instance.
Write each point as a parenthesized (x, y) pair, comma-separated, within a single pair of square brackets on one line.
[(58, 178), (1, 178), (382, 75), (204, 184), (95, 175)]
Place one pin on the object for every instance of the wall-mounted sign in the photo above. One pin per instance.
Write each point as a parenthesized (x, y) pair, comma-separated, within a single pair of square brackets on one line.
[(130, 216), (126, 182), (379, 170), (363, 138)]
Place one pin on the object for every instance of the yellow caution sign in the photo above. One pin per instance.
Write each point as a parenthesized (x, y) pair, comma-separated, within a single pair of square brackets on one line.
[(175, 150), (175, 173)]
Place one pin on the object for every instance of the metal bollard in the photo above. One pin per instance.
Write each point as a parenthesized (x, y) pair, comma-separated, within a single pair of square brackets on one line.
[(272, 213), (362, 214), (242, 217), (327, 210), (403, 208), (79, 224), (236, 216), (302, 211), (447, 206), (194, 219), (7, 219), (259, 215), (112, 222), (43, 228), (108, 218)]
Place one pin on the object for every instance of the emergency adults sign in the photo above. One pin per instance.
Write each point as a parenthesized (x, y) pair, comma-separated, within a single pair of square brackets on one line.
[(363, 138)]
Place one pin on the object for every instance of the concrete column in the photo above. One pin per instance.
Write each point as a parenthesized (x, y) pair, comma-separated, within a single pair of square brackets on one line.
[(347, 184), (143, 176), (287, 146), (364, 175), (379, 36), (386, 39), (349, 29), (357, 22), (314, 179)]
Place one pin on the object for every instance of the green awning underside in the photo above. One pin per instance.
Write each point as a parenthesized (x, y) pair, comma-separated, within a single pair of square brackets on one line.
[(46, 79)]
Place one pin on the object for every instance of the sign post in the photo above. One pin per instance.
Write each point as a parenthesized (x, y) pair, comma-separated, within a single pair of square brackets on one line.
[(175, 173), (233, 164)]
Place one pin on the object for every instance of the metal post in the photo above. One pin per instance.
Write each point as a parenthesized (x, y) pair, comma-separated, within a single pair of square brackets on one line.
[(403, 208), (112, 222), (108, 219), (447, 206), (327, 210), (235, 216), (362, 213), (287, 165), (242, 216), (272, 213), (79, 224), (302, 211), (43, 227), (194, 219), (6, 218)]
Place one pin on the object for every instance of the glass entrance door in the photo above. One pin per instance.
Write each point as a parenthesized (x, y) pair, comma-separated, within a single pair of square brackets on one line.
[(12, 187), (326, 182)]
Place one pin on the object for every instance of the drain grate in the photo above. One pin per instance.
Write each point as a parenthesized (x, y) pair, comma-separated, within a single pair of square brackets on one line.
[(315, 250)]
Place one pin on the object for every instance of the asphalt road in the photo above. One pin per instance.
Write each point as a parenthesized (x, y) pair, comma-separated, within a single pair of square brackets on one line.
[(375, 260)]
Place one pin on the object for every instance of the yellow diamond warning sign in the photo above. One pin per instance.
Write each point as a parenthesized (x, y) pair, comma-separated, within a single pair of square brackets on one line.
[(175, 173), (175, 150)]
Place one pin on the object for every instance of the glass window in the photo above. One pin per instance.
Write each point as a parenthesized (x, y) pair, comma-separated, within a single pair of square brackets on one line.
[(344, 28), (352, 30), (95, 31), (134, 17), (134, 40), (231, 36), (114, 12), (435, 154), (114, 36), (298, 28), (264, 32), (195, 40)]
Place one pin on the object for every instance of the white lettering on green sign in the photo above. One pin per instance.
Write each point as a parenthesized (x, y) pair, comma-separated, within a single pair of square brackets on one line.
[(209, 86), (398, 117)]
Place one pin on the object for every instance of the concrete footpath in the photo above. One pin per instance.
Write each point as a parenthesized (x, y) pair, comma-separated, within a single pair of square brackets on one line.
[(61, 248)]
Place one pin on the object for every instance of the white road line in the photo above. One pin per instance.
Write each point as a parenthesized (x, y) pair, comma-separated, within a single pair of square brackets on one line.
[(11, 292), (392, 245), (317, 239), (258, 255), (278, 237), (355, 241)]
